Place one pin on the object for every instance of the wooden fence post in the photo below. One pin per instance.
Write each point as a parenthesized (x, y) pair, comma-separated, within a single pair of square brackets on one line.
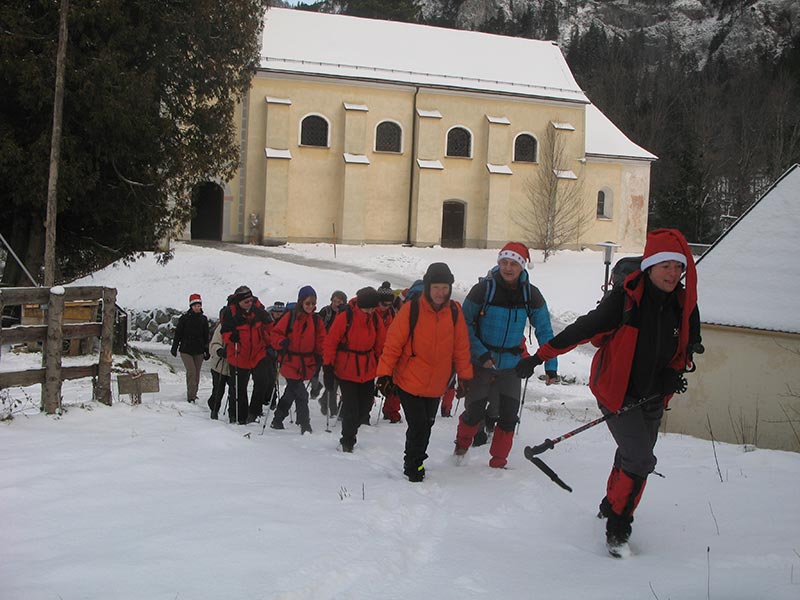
[(103, 389), (51, 389)]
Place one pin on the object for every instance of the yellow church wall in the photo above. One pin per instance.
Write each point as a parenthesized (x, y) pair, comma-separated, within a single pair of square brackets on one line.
[(301, 198)]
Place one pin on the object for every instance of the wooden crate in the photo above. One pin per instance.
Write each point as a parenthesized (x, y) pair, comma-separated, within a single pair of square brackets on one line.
[(75, 311)]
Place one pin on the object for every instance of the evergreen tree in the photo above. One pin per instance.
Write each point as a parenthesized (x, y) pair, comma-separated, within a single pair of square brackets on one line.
[(151, 88)]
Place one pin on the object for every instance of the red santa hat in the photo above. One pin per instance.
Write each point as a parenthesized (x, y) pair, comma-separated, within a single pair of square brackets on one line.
[(517, 252), (669, 244), (195, 299), (664, 244)]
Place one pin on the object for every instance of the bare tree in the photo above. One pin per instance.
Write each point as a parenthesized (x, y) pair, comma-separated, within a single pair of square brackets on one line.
[(555, 212)]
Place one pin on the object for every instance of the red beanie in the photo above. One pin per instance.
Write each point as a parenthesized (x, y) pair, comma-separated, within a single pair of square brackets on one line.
[(669, 244), (195, 299), (515, 251)]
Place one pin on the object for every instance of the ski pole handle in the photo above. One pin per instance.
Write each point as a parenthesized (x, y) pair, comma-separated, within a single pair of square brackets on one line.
[(548, 444)]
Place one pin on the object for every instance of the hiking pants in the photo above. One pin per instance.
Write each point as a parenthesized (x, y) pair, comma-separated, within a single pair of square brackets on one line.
[(636, 433), (486, 384), (420, 414), (193, 364), (356, 403), (296, 393)]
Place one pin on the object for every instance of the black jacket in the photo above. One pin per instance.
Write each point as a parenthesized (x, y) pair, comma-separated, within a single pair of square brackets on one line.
[(191, 334)]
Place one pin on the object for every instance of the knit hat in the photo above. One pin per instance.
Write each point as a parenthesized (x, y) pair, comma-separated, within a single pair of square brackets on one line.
[(664, 244), (367, 297), (438, 273), (277, 307), (515, 251), (305, 292), (242, 293), (195, 299), (340, 295), (385, 293)]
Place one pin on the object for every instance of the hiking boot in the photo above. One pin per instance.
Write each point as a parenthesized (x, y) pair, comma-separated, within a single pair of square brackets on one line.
[(214, 415), (414, 473), (252, 418), (346, 448), (316, 388), (305, 428), (480, 438), (276, 424), (323, 406), (459, 451), (618, 531)]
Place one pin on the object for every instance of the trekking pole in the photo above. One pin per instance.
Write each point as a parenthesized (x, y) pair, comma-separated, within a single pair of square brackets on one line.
[(522, 404), (236, 378), (328, 410), (531, 452), (269, 404)]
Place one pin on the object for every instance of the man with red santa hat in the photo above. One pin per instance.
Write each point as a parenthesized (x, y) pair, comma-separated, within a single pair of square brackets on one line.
[(646, 331), (497, 310)]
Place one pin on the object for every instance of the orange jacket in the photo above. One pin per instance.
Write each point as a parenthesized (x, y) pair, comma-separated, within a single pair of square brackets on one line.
[(439, 348), (299, 350), (354, 353)]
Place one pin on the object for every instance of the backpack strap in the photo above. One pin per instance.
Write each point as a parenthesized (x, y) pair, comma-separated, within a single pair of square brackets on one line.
[(414, 317)]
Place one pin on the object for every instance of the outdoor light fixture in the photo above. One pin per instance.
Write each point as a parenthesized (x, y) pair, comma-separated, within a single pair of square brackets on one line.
[(608, 255)]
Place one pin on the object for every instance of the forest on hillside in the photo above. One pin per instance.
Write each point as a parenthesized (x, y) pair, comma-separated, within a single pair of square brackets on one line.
[(724, 128)]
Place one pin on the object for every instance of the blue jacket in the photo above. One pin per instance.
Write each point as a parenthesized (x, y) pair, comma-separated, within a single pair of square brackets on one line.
[(499, 331)]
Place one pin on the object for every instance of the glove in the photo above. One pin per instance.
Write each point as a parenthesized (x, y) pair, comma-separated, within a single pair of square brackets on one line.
[(234, 337), (328, 378), (285, 344), (463, 387), (271, 353), (206, 355), (385, 385), (552, 377), (525, 366), (174, 352), (222, 353), (673, 382)]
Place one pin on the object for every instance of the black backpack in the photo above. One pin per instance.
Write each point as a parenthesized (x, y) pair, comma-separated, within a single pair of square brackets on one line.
[(622, 268)]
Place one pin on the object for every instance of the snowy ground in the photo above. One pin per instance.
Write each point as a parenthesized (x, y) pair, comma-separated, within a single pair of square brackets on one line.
[(159, 502)]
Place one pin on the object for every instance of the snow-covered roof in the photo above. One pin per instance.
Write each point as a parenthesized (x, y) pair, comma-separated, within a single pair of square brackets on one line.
[(750, 277), (309, 43), (604, 139)]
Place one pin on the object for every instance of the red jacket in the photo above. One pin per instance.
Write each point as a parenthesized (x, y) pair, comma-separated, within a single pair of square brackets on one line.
[(354, 352), (424, 367), (300, 357), (387, 316), (253, 332)]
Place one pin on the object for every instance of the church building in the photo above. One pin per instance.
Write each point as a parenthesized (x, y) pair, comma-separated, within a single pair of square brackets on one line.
[(364, 131)]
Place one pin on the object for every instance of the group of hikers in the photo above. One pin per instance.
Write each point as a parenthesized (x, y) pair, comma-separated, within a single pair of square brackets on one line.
[(419, 348)]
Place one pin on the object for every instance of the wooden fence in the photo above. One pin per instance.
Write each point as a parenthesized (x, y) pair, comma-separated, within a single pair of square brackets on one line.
[(53, 333)]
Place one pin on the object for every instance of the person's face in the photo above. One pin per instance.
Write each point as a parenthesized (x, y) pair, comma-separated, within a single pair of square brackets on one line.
[(309, 304), (197, 307), (369, 310), (439, 293), (510, 270), (336, 303), (246, 304), (385, 305), (666, 275)]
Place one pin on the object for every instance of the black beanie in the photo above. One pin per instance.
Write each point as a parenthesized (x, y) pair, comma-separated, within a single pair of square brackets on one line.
[(438, 273), (367, 297)]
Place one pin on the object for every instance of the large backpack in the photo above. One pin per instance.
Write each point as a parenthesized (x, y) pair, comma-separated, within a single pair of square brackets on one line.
[(622, 268)]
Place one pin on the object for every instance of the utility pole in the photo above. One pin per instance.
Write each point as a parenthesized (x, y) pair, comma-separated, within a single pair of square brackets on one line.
[(55, 151)]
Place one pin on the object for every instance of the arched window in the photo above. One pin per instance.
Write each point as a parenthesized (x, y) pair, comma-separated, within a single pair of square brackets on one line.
[(459, 142), (388, 137), (605, 204), (314, 131), (525, 148)]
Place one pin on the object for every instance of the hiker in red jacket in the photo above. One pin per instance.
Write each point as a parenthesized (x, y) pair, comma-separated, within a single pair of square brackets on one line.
[(646, 331), (387, 312), (298, 338), (351, 351), (244, 330)]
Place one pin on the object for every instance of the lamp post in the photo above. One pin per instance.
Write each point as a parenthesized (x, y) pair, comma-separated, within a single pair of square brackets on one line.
[(608, 255)]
